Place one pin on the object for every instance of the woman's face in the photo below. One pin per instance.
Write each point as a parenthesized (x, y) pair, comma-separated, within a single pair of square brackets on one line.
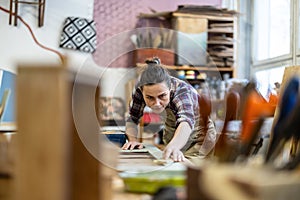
[(157, 96)]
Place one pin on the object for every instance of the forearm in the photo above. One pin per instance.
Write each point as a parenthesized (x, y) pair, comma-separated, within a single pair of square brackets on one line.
[(180, 138), (181, 135), (131, 131)]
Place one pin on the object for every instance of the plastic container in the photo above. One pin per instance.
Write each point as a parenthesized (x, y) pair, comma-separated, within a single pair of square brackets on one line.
[(150, 182)]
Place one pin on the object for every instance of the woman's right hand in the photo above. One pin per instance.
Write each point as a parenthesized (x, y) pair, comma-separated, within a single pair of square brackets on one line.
[(132, 145)]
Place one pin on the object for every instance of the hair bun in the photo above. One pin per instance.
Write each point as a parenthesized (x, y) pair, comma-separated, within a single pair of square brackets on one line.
[(154, 60)]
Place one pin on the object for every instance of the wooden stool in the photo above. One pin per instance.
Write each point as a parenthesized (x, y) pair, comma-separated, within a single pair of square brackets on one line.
[(39, 3)]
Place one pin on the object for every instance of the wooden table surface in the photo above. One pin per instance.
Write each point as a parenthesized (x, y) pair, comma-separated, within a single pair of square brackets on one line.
[(143, 160)]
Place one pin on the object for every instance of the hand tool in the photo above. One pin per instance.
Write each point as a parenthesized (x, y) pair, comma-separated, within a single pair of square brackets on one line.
[(256, 108), (247, 147), (204, 109), (259, 144), (286, 107), (232, 104), (222, 149), (288, 128)]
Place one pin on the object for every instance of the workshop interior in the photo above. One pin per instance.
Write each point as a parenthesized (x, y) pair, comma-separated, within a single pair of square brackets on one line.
[(70, 74)]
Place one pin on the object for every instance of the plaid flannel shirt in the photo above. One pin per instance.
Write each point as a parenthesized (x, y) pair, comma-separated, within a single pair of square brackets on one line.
[(183, 107), (183, 103)]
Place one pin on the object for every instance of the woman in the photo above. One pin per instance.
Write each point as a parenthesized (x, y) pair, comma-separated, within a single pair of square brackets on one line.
[(183, 134)]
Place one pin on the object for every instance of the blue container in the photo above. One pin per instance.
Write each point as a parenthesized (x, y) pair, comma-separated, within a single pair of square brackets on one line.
[(118, 138)]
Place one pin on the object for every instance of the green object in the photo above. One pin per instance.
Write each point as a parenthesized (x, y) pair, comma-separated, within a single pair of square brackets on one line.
[(150, 182)]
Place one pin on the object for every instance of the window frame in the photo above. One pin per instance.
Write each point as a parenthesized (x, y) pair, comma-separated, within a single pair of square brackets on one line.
[(283, 60)]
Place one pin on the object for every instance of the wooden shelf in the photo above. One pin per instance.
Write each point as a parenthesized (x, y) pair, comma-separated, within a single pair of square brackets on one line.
[(194, 81), (219, 31), (205, 16), (198, 68), (220, 42)]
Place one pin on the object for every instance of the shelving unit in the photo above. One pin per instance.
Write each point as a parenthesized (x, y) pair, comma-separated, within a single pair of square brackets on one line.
[(221, 37), (205, 44), (220, 43)]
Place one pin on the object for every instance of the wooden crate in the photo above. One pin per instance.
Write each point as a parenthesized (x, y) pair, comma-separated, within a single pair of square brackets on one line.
[(166, 56)]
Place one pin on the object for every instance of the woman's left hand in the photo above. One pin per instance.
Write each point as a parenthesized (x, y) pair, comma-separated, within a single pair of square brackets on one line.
[(174, 153)]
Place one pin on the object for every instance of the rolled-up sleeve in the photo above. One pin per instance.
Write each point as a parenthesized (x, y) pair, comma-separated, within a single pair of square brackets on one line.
[(186, 113), (186, 103)]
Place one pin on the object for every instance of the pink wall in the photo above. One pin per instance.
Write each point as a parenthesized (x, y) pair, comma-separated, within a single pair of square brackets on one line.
[(115, 21)]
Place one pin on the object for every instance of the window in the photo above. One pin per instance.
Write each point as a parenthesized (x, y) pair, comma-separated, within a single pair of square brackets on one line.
[(271, 28), (273, 33)]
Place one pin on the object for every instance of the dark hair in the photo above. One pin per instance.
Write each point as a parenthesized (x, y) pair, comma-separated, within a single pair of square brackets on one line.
[(154, 73)]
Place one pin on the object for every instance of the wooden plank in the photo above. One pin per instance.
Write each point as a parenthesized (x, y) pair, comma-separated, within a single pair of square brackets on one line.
[(87, 182), (210, 17), (52, 162), (146, 161), (219, 42), (43, 139)]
